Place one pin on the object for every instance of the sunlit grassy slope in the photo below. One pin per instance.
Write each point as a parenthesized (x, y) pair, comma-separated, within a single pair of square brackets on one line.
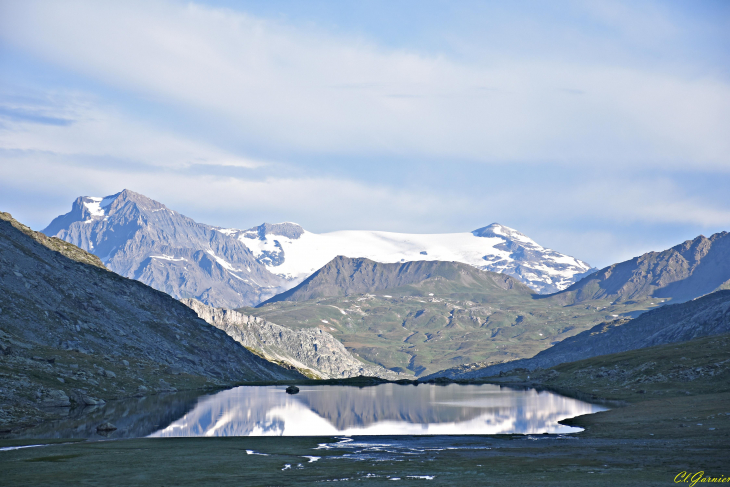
[(442, 322)]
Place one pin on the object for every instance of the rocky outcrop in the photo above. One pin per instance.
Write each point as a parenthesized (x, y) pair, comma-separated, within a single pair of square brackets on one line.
[(71, 332), (705, 316), (315, 352)]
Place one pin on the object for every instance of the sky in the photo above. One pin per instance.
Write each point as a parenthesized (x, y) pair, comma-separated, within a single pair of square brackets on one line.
[(599, 129)]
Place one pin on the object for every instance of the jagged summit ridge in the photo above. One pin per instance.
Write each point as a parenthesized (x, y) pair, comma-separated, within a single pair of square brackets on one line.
[(142, 239)]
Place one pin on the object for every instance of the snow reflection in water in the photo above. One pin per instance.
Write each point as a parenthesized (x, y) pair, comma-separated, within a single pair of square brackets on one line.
[(386, 409)]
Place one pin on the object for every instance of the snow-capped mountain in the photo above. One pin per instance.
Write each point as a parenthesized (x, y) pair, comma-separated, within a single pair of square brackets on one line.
[(293, 253), (144, 240)]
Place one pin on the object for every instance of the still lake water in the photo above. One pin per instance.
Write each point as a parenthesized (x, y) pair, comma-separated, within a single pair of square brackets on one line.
[(385, 409)]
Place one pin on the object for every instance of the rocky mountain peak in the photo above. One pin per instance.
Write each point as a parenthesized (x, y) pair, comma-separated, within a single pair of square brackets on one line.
[(506, 233), (142, 239), (89, 208)]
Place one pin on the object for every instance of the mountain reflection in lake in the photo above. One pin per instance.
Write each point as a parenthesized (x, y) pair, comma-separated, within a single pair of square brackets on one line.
[(385, 409)]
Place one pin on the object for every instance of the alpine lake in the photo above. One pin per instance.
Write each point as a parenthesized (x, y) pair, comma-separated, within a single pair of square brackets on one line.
[(320, 433)]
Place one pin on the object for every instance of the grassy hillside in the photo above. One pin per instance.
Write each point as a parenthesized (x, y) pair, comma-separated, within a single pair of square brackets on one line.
[(669, 391), (440, 323)]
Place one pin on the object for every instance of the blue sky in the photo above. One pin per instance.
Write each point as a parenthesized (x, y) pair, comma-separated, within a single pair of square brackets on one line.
[(600, 129)]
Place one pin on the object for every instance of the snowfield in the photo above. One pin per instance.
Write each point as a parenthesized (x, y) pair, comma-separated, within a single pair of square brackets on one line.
[(495, 248)]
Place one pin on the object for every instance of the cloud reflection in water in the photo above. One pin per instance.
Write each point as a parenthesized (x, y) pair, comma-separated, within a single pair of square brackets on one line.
[(386, 409)]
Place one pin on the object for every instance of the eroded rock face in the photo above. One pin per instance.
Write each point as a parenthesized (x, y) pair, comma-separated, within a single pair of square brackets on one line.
[(314, 351)]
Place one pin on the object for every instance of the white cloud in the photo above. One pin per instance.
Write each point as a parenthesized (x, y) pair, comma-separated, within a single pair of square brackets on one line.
[(309, 91), (93, 130), (607, 131)]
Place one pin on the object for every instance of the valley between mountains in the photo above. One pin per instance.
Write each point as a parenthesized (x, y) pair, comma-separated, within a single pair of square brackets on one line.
[(124, 296)]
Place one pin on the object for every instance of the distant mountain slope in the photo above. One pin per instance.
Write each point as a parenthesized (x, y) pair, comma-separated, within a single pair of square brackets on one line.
[(294, 253), (427, 316), (142, 239), (684, 272), (70, 330), (344, 276), (315, 352), (708, 315)]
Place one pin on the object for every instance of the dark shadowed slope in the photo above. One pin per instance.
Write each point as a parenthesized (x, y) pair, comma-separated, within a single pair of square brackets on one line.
[(686, 271), (344, 276), (59, 304), (142, 239), (708, 315)]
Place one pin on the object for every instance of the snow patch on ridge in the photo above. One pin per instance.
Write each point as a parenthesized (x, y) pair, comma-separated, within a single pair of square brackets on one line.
[(96, 205), (168, 257)]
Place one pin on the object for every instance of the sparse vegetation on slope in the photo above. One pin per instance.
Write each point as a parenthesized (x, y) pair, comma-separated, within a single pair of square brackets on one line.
[(708, 315)]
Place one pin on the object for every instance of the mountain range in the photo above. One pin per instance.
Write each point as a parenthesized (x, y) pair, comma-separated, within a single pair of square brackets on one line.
[(444, 306), (294, 253), (426, 316), (142, 239), (423, 316)]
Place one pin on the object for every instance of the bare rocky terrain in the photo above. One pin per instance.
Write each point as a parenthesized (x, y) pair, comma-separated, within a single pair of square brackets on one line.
[(315, 353), (73, 334)]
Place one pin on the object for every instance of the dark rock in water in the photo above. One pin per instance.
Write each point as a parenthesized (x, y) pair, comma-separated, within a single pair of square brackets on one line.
[(93, 401), (56, 398), (292, 390), (106, 427)]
